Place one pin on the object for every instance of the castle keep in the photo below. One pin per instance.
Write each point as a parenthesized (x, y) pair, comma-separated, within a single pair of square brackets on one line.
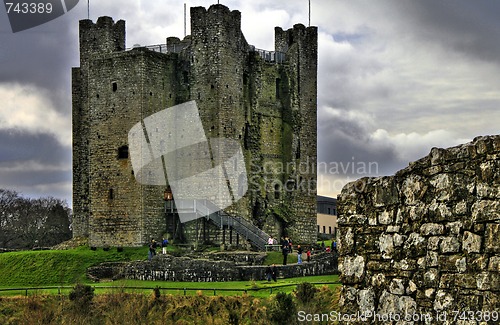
[(265, 100)]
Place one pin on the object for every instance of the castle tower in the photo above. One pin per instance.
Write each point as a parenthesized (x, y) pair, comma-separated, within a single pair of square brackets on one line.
[(104, 37), (265, 100), (301, 47)]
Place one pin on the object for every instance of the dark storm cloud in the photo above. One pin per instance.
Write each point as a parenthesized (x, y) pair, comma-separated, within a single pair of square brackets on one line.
[(35, 69), (41, 56), (469, 27), (16, 146), (35, 165), (397, 78), (383, 72), (19, 180), (345, 143)]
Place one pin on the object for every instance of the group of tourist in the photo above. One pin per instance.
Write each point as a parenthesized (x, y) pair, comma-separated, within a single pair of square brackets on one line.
[(153, 245), (287, 248)]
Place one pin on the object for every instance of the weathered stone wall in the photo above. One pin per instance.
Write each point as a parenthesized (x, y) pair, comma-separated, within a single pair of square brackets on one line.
[(302, 52), (103, 37), (240, 258), (171, 268), (269, 107), (425, 241)]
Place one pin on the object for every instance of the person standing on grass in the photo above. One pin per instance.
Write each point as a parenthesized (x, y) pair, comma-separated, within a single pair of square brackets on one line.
[(153, 246), (164, 244), (152, 249), (308, 255), (270, 242), (269, 273), (299, 254), (284, 250)]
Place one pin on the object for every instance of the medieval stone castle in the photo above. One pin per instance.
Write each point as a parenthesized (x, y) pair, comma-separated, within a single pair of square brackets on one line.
[(265, 100)]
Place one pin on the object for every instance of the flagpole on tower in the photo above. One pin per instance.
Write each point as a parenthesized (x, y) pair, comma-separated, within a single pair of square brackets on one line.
[(88, 9), (309, 13)]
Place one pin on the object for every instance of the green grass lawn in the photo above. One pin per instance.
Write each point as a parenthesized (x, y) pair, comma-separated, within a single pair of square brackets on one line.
[(254, 288), (328, 243), (277, 258), (230, 288), (57, 268)]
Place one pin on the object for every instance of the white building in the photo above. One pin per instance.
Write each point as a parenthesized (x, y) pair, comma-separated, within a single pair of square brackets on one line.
[(326, 217)]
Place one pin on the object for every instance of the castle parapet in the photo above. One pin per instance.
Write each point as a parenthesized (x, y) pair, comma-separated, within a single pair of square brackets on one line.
[(216, 15), (105, 36), (299, 34)]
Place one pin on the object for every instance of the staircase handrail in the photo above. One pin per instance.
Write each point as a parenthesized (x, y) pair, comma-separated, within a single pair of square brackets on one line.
[(241, 225), (221, 218), (242, 221)]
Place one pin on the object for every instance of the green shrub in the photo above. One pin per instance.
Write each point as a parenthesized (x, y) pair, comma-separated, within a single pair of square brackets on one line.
[(82, 296), (305, 292), (282, 309), (157, 292), (234, 318)]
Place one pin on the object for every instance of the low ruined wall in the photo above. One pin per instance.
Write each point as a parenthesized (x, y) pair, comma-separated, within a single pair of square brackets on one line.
[(107, 270), (242, 258), (171, 268), (425, 243), (321, 264)]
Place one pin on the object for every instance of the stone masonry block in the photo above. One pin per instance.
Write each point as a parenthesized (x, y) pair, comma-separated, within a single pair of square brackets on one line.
[(494, 264), (352, 269), (397, 287), (385, 217), (492, 235), (471, 243), (431, 229), (386, 245), (488, 281), (449, 244), (486, 210)]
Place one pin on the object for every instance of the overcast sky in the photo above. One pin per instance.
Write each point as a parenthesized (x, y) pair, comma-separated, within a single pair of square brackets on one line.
[(395, 78)]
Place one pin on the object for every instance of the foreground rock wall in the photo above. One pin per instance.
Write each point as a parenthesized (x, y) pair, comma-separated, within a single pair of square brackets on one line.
[(425, 243)]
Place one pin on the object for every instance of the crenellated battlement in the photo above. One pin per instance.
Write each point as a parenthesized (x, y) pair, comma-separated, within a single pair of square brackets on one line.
[(216, 15), (299, 34), (104, 36)]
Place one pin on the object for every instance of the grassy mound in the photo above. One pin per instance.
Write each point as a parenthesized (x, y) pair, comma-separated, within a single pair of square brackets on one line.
[(57, 267)]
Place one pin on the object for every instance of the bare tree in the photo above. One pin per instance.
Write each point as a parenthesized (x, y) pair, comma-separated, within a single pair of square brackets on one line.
[(27, 222), (8, 203)]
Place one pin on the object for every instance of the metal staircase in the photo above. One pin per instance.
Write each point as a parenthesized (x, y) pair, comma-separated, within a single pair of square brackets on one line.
[(207, 209)]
